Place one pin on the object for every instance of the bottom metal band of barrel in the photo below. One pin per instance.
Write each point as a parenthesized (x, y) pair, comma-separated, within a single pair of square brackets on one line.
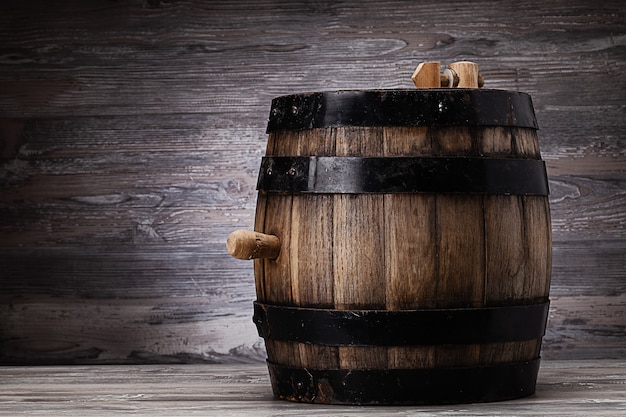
[(496, 382)]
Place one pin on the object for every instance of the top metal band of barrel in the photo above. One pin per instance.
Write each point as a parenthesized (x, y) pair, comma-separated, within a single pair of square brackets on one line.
[(426, 107)]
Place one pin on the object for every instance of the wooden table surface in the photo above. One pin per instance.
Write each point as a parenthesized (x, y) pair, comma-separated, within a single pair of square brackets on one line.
[(564, 388)]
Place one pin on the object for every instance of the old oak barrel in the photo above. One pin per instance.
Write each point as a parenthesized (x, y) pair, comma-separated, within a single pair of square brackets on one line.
[(415, 247)]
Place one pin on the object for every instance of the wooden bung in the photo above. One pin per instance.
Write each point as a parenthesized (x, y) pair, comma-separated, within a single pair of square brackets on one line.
[(467, 72), (462, 74), (247, 244), (426, 75)]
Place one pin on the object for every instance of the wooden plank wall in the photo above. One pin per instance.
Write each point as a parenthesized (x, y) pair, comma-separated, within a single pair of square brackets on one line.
[(131, 133)]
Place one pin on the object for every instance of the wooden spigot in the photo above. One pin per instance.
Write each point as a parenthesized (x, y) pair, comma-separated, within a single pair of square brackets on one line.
[(462, 74), (247, 244)]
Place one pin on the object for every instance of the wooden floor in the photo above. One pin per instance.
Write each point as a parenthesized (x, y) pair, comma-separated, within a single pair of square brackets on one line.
[(564, 388)]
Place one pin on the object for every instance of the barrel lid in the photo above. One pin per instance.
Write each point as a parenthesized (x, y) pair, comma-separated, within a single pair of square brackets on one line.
[(420, 107)]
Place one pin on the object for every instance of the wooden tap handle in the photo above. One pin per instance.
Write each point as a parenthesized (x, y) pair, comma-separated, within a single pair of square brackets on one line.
[(467, 73), (462, 74), (426, 75), (247, 244)]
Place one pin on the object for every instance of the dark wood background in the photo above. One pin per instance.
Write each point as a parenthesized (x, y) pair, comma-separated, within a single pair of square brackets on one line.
[(131, 133)]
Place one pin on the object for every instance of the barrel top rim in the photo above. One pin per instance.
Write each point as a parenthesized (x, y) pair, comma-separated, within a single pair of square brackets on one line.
[(408, 91), (402, 107)]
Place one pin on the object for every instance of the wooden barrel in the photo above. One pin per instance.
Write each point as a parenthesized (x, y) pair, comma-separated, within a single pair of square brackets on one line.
[(415, 255)]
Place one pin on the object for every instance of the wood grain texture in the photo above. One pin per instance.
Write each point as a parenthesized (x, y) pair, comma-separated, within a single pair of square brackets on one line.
[(131, 134), (564, 388)]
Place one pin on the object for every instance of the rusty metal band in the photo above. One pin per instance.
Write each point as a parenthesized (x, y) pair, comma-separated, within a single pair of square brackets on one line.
[(401, 327), (405, 386), (357, 175), (426, 107)]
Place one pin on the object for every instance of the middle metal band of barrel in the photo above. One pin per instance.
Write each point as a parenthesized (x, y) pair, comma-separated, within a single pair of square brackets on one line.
[(357, 175), (401, 327)]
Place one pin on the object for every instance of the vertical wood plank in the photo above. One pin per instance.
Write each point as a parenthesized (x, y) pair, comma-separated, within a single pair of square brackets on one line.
[(277, 221), (312, 249), (453, 141), (460, 233), (460, 240), (495, 142), (279, 285), (358, 232), (259, 226), (506, 266), (516, 248), (312, 229), (358, 263), (411, 256), (460, 229), (524, 143), (538, 237), (259, 264), (505, 256)]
